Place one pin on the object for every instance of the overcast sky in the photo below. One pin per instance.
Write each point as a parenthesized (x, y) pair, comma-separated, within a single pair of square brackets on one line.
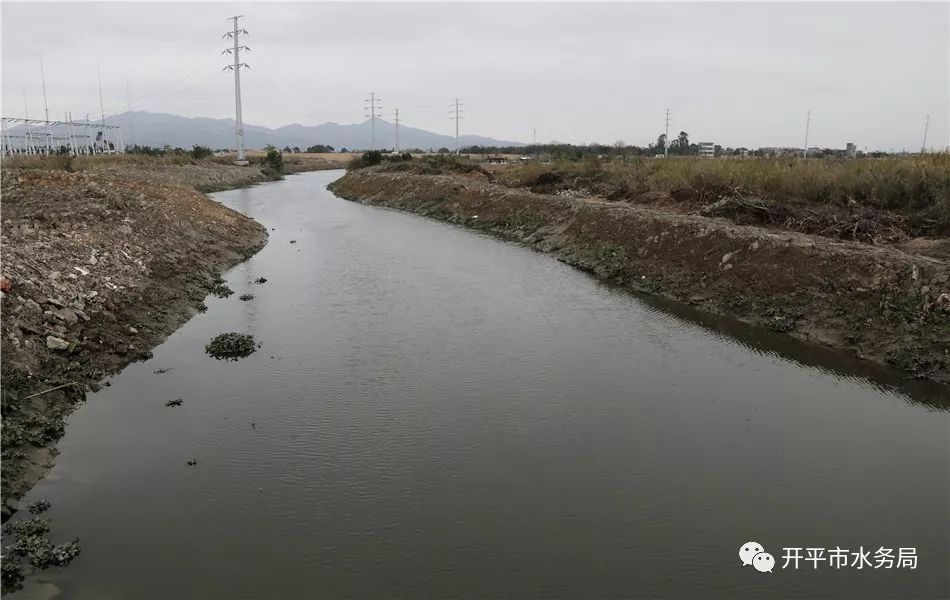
[(739, 74)]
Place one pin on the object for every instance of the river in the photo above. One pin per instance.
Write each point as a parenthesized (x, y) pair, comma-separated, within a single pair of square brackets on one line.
[(434, 412)]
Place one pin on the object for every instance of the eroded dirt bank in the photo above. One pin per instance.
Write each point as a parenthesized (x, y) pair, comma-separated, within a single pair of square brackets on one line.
[(879, 302), (99, 267)]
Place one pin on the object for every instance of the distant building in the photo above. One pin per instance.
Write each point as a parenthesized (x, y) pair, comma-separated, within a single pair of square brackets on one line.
[(851, 151), (707, 149)]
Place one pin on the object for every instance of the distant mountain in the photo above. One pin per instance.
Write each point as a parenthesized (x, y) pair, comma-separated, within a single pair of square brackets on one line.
[(158, 129)]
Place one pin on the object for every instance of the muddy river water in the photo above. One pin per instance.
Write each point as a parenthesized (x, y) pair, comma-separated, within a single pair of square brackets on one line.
[(434, 412)]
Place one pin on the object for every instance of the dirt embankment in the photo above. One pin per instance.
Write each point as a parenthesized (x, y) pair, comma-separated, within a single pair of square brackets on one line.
[(207, 175), (99, 267), (880, 302)]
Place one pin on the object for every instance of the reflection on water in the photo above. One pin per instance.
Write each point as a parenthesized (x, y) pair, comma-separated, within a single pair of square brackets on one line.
[(436, 413), (929, 394)]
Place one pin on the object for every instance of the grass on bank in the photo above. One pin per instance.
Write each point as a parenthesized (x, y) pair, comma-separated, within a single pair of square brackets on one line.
[(852, 199), (897, 184)]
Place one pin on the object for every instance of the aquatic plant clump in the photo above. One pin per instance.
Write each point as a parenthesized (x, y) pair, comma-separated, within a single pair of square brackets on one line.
[(33, 526), (10, 575), (26, 541), (231, 346), (221, 290), (43, 554), (38, 507)]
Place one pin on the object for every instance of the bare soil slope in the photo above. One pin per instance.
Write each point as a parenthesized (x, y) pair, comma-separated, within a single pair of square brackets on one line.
[(97, 269)]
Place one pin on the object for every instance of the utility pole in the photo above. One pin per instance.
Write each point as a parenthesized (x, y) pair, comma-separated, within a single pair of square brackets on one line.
[(49, 135), (235, 34), (397, 130), (666, 136), (29, 127), (128, 99), (71, 140), (102, 112), (371, 107), (807, 124), (457, 116), (923, 147), (534, 137)]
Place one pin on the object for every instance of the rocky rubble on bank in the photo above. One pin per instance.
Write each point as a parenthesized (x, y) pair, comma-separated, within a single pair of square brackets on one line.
[(96, 271)]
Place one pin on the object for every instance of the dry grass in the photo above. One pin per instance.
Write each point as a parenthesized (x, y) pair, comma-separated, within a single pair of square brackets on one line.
[(916, 188)]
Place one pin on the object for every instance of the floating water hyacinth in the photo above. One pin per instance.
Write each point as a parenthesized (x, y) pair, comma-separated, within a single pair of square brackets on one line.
[(231, 346)]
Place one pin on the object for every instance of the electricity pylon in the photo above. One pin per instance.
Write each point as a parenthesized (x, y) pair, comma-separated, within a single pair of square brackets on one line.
[(371, 108), (457, 110), (235, 34)]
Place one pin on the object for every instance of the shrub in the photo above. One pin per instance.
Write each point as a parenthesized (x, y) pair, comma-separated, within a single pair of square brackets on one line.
[(368, 159), (199, 152), (274, 164)]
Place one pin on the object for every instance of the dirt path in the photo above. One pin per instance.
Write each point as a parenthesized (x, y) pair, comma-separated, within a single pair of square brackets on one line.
[(880, 302), (99, 267)]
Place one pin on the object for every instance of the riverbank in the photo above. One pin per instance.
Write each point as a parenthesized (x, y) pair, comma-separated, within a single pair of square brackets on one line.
[(206, 175), (881, 303), (99, 266)]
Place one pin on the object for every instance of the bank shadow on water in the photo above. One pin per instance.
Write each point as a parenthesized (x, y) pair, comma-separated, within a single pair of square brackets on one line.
[(929, 394)]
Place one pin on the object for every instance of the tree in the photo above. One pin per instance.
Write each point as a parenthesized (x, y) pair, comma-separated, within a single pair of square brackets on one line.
[(681, 143), (296, 149), (661, 142)]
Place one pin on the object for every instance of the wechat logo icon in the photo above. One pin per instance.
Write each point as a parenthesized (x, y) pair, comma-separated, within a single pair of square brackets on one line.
[(752, 553)]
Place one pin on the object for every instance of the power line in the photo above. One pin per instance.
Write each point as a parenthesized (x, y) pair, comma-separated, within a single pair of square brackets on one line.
[(235, 35), (204, 57), (371, 107), (169, 88), (458, 110)]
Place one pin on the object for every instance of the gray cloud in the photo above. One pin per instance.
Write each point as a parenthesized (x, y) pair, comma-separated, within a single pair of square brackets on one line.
[(735, 73)]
